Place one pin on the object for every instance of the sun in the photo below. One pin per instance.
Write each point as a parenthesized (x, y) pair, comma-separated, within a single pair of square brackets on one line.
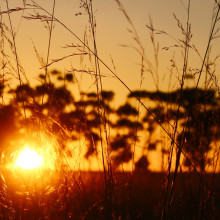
[(29, 159)]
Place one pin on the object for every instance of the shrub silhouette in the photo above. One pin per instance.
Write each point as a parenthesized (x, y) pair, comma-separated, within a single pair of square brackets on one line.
[(198, 114), (56, 109)]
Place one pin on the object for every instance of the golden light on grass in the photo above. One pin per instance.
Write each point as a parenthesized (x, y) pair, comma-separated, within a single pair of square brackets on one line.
[(29, 159)]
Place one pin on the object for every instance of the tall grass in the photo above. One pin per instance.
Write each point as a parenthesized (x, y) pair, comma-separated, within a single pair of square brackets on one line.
[(61, 193)]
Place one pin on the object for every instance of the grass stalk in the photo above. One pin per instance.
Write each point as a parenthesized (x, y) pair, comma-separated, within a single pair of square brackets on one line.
[(3, 61), (102, 116), (190, 111), (185, 65), (16, 58), (48, 48)]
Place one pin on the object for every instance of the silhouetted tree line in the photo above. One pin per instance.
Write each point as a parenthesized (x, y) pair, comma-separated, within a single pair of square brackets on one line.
[(54, 109)]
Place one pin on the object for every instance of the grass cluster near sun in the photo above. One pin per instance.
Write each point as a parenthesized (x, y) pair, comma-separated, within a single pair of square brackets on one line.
[(69, 155)]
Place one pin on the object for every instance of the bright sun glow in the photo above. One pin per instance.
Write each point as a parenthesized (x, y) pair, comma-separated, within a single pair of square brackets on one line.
[(29, 159)]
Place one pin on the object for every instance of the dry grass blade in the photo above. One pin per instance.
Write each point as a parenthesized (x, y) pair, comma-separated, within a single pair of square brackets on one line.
[(63, 58), (16, 57)]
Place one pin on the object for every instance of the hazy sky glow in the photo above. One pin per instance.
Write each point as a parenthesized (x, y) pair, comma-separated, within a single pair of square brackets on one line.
[(111, 34)]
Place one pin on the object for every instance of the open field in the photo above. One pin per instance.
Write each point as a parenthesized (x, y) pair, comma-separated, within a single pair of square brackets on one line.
[(141, 197)]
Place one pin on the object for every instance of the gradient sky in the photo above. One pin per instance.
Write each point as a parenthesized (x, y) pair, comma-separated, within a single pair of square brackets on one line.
[(111, 33)]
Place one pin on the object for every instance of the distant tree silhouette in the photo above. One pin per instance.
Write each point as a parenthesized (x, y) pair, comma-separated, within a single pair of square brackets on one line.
[(142, 164), (53, 107), (199, 117), (127, 127), (8, 128)]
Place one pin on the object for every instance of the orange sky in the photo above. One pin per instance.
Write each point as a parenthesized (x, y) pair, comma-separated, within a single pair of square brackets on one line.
[(111, 32)]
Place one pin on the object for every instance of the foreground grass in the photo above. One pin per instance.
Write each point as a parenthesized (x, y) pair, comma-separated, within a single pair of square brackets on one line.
[(83, 197)]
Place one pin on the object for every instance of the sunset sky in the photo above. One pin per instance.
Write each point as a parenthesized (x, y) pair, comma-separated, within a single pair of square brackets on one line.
[(111, 33)]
